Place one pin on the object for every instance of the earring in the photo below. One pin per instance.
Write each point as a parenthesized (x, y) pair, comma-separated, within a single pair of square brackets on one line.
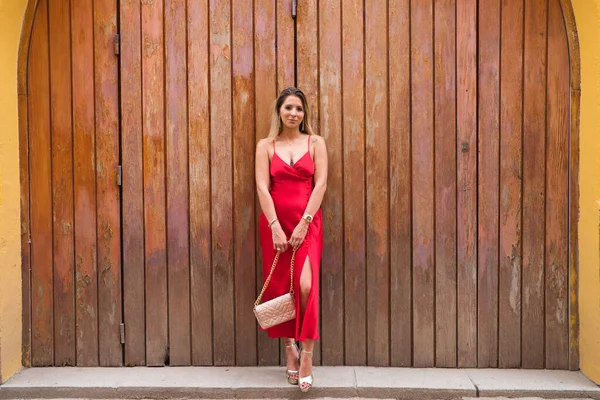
[(302, 126)]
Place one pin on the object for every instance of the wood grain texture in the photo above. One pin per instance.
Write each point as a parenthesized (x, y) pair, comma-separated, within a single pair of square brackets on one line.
[(422, 152), (199, 173), (445, 183), (377, 184), (84, 150), (286, 57), (265, 64), (466, 203), (62, 182), (107, 189), (178, 247), (489, 176), (24, 169), (330, 101), (511, 159), (42, 321), (244, 214), (557, 198), (153, 92), (574, 126), (534, 163), (221, 182), (353, 103), (574, 354), (307, 64), (400, 184), (132, 227)]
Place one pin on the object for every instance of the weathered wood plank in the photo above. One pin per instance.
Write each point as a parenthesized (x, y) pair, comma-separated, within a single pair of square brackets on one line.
[(84, 150), (199, 173), (62, 182), (377, 205), (534, 163), (132, 186), (178, 248), (107, 189), (286, 57), (244, 215), (557, 198), (24, 178), (400, 185), (573, 230), (445, 183), (330, 100), (153, 93), (511, 159), (422, 151), (353, 102), (42, 321), (307, 54), (466, 118), (221, 181), (489, 177), (265, 64)]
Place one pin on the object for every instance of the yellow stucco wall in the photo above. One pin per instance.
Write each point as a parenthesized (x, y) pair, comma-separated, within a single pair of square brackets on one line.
[(587, 17), (11, 20)]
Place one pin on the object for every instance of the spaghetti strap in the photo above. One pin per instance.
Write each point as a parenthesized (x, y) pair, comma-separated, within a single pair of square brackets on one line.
[(309, 143)]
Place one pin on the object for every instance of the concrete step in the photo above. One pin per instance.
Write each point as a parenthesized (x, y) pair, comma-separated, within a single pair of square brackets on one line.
[(269, 383)]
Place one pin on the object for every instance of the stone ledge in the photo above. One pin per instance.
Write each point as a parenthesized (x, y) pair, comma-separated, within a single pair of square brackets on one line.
[(269, 383)]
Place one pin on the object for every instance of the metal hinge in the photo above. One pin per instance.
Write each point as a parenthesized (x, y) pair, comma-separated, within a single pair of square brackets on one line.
[(294, 8), (117, 44), (122, 327), (119, 175)]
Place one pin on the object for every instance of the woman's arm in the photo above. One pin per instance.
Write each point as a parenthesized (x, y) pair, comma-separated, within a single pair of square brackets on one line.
[(320, 159), (263, 181)]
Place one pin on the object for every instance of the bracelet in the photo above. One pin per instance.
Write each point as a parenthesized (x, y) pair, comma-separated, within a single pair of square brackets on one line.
[(272, 222)]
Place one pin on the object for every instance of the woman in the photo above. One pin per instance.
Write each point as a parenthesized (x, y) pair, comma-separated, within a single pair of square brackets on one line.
[(291, 178)]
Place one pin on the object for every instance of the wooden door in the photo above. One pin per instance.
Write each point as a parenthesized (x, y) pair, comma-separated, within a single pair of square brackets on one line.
[(73, 261), (198, 81), (447, 224), (448, 236)]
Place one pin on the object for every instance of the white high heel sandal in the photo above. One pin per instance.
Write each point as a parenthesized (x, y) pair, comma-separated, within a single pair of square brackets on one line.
[(291, 375), (306, 382)]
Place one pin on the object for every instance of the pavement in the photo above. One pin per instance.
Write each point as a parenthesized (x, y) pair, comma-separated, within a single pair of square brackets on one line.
[(269, 383)]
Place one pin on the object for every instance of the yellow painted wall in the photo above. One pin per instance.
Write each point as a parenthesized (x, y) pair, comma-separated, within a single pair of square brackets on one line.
[(587, 17), (11, 20)]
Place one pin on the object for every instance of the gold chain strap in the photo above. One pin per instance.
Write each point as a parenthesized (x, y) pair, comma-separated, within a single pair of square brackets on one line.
[(271, 273)]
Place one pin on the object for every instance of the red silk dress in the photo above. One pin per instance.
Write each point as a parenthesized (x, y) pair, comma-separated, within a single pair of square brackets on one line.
[(291, 187)]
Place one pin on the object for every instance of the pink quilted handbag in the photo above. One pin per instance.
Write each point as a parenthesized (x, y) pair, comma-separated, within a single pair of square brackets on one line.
[(279, 309)]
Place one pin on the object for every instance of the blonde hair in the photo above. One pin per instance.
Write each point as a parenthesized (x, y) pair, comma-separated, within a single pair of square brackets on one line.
[(276, 124)]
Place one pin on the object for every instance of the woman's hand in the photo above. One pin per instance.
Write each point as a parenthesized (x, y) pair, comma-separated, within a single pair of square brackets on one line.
[(299, 234), (280, 242)]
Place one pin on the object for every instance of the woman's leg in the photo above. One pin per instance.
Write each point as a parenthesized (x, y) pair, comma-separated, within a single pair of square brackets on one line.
[(291, 352), (309, 344)]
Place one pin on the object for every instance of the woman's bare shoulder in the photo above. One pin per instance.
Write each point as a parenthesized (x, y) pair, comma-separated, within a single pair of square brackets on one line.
[(317, 140), (263, 144)]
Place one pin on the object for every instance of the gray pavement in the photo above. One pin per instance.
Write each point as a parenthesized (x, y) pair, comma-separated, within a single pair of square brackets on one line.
[(269, 382)]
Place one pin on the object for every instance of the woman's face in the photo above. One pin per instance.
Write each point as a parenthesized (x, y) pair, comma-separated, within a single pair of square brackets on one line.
[(292, 112)]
